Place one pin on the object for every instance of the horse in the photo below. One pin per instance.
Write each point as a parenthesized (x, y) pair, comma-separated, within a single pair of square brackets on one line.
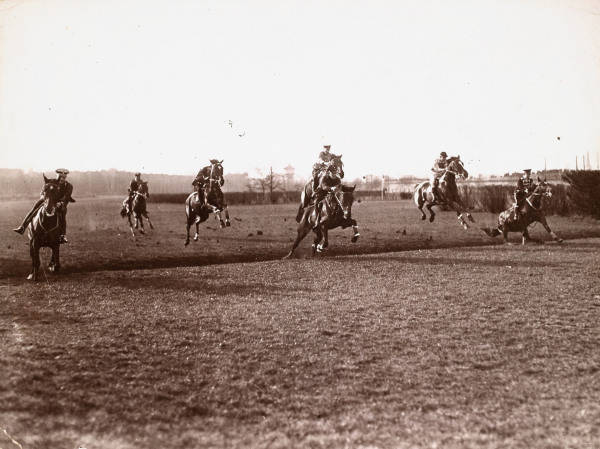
[(329, 178), (196, 211), (532, 210), (44, 229), (327, 214), (423, 195), (211, 179), (138, 209)]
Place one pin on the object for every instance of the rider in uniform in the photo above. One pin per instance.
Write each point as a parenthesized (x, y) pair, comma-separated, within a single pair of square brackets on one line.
[(202, 179), (525, 185), (438, 169), (65, 190), (135, 183)]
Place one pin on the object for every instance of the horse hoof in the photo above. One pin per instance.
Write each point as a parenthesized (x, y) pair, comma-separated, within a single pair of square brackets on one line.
[(559, 240), (227, 223), (30, 278), (431, 219), (222, 224), (471, 219), (196, 238), (142, 231), (354, 238), (424, 217)]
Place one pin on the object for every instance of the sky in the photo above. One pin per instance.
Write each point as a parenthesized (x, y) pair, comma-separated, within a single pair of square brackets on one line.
[(164, 86)]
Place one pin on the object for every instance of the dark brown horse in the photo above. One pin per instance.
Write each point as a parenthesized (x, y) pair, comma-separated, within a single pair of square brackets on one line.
[(329, 178), (532, 210), (210, 179), (448, 193), (331, 212), (44, 229), (138, 209)]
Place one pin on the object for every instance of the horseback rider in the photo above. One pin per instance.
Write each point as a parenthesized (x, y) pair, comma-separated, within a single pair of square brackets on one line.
[(134, 185), (325, 157), (525, 185), (65, 190), (438, 170), (203, 178)]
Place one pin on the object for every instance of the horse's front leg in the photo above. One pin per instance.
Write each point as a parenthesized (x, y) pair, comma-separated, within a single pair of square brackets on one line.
[(218, 216), (544, 223), (356, 235), (148, 218), (324, 240), (431, 212), (317, 240), (140, 219), (34, 252), (227, 222), (55, 259)]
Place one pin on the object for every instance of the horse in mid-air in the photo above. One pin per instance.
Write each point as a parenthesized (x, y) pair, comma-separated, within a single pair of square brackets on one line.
[(210, 179), (448, 193), (44, 229), (138, 209), (531, 211), (329, 213)]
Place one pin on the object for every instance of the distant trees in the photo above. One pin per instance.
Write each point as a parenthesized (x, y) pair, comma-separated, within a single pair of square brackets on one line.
[(267, 184)]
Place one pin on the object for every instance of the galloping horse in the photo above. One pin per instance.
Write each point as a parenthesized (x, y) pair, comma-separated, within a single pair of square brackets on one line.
[(210, 179), (448, 193), (44, 229), (138, 209), (327, 214), (331, 176), (531, 211)]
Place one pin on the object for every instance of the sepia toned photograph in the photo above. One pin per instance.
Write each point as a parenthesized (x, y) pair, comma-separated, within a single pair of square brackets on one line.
[(299, 224)]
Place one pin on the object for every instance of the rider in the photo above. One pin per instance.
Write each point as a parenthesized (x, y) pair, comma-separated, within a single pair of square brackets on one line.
[(525, 185), (65, 190), (438, 169), (325, 157), (202, 179), (135, 183)]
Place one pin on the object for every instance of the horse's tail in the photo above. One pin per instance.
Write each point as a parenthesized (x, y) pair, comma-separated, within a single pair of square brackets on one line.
[(418, 193)]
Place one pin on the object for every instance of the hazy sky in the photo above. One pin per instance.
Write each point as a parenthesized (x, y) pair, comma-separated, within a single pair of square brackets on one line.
[(151, 85)]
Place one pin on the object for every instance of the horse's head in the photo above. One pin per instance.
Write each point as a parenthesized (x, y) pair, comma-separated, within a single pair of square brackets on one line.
[(456, 166), (347, 198), (337, 164), (142, 188), (50, 194), (216, 170), (542, 189)]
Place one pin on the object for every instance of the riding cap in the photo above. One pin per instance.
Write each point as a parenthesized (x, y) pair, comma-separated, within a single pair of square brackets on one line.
[(327, 147), (443, 154), (527, 170), (62, 171), (138, 174)]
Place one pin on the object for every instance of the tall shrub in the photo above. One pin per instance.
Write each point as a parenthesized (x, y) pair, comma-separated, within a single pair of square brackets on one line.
[(584, 193)]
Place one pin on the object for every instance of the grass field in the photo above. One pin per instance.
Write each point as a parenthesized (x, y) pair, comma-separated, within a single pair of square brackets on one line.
[(481, 346), (100, 238)]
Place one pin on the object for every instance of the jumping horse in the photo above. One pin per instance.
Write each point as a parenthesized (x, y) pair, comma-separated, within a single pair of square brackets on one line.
[(532, 210), (329, 213), (448, 193)]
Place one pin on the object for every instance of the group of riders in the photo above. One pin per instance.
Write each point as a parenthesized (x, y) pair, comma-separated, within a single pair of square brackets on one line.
[(327, 175)]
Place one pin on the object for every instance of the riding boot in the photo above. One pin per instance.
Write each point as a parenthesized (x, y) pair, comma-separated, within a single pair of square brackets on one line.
[(29, 217), (516, 214)]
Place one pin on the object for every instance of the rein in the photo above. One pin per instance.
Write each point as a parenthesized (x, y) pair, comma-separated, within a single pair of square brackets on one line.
[(40, 221)]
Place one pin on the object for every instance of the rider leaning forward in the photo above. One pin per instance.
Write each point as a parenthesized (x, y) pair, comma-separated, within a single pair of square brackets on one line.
[(65, 190), (525, 185), (438, 169), (203, 177)]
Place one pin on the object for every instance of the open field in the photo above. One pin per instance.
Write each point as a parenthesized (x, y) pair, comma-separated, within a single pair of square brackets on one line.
[(487, 346), (100, 238)]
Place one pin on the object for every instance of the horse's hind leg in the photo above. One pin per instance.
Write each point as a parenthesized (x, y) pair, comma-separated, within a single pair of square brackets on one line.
[(303, 229), (218, 216), (140, 220), (316, 246), (356, 235), (325, 239)]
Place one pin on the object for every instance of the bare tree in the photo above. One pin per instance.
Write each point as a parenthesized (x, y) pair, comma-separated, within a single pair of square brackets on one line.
[(267, 184)]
